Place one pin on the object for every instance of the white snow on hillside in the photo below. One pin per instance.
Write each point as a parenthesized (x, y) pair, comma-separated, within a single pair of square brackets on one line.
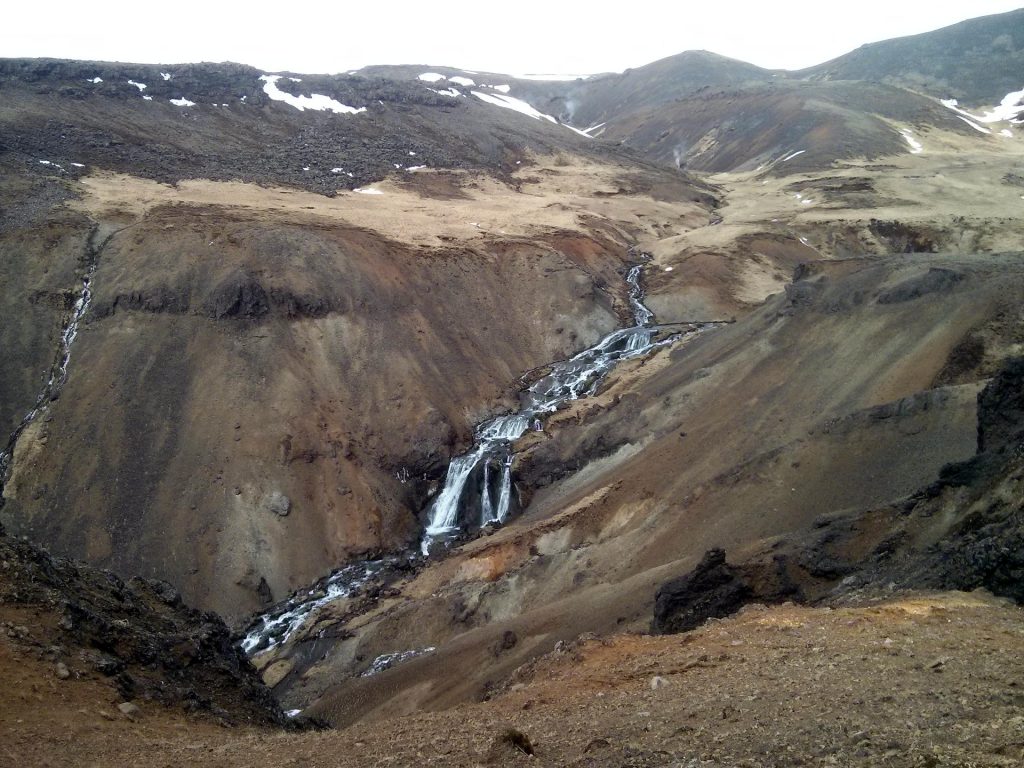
[(454, 93), (787, 158), (504, 88), (95, 80), (316, 101), (510, 102), (974, 125), (916, 147), (431, 77), (182, 102), (165, 75), (1010, 108), (464, 81), (140, 86)]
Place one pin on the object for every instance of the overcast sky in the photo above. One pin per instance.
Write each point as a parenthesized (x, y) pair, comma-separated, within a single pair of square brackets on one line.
[(524, 36)]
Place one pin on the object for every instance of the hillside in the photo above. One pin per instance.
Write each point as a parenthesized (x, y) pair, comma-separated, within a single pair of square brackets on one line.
[(977, 61)]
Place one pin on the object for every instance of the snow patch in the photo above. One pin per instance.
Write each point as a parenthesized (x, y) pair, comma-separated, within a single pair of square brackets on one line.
[(78, 165), (414, 168), (669, 269), (431, 77), (1007, 133), (165, 75), (447, 92), (915, 146), (787, 158), (95, 80), (974, 125), (517, 105), (462, 81), (504, 87), (140, 86), (337, 170), (316, 101), (182, 103), (147, 98), (368, 191), (594, 127), (1011, 107)]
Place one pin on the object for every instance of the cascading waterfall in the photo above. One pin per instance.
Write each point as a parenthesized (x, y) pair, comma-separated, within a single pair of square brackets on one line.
[(567, 380), (469, 487)]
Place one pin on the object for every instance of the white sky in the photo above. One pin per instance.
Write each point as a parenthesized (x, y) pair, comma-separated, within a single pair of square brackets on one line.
[(512, 37)]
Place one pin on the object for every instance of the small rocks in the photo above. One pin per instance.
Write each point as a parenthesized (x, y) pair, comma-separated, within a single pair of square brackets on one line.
[(658, 682), (510, 741), (279, 504), (127, 709), (61, 671)]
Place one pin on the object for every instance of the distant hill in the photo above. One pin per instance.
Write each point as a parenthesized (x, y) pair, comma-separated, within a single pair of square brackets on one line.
[(760, 125), (606, 97), (976, 61)]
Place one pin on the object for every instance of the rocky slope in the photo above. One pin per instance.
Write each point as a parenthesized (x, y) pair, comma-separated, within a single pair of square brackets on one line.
[(912, 680), (977, 61), (68, 629)]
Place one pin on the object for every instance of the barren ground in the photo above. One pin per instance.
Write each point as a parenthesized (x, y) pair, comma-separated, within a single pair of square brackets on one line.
[(912, 680)]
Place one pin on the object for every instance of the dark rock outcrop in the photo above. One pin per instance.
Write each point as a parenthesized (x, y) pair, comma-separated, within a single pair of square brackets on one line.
[(1001, 409), (711, 590), (239, 296), (138, 633)]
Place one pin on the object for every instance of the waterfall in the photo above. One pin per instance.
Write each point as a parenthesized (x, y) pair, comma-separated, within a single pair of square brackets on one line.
[(59, 371), (567, 380), (486, 508), (505, 497)]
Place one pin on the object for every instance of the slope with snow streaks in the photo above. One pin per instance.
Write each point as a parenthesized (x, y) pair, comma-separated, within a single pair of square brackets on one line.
[(315, 101)]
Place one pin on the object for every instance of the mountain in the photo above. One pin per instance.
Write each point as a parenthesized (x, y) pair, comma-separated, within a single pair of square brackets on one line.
[(977, 61)]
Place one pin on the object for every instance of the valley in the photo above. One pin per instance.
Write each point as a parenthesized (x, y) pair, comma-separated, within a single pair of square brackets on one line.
[(478, 440)]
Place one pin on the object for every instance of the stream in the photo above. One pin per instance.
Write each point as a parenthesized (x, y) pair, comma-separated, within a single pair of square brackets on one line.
[(478, 489), (59, 370)]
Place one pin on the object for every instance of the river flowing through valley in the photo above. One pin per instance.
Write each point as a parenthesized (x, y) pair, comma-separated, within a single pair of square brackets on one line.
[(479, 490)]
